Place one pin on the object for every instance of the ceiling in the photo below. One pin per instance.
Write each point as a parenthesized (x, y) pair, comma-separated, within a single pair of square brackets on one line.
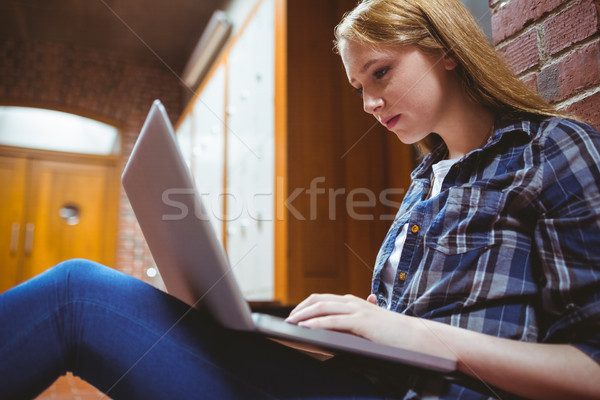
[(144, 29)]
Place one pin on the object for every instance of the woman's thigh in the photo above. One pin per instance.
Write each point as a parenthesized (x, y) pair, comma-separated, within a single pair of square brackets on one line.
[(133, 341)]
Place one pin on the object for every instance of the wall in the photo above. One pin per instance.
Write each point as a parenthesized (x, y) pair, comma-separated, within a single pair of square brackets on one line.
[(481, 12), (554, 46), (109, 87)]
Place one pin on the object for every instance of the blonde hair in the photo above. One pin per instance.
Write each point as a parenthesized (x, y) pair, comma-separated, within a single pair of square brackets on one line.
[(444, 27)]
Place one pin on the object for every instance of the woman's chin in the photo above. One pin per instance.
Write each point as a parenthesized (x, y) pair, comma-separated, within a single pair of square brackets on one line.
[(407, 138)]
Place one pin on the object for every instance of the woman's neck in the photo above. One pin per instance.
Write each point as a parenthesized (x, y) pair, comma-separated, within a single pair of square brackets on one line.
[(467, 126)]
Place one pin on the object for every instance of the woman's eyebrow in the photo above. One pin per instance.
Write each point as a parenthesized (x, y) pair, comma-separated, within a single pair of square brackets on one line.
[(364, 68), (368, 64)]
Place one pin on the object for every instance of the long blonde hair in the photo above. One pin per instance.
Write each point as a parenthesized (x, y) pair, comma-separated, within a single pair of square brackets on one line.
[(444, 27)]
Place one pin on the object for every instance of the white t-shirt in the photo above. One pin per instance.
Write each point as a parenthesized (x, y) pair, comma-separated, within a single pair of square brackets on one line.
[(388, 275)]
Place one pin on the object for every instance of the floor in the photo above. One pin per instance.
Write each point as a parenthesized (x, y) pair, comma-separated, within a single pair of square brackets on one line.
[(70, 387)]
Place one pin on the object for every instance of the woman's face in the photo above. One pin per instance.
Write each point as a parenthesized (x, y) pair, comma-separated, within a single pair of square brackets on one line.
[(405, 89)]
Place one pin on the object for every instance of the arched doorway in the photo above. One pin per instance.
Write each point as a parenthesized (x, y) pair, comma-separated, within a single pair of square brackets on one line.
[(59, 175)]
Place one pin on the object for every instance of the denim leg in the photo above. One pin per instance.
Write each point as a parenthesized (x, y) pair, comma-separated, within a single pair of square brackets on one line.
[(131, 341)]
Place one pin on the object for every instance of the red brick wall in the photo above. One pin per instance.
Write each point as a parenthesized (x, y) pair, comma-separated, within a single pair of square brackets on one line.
[(554, 46), (100, 85)]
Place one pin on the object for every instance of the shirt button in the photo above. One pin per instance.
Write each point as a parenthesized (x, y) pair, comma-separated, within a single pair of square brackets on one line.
[(414, 229), (402, 276)]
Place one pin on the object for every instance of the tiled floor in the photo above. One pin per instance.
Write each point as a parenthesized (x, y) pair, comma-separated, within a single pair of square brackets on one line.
[(70, 387)]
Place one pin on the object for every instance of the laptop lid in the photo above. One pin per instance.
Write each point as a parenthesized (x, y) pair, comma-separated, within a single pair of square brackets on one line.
[(176, 226)]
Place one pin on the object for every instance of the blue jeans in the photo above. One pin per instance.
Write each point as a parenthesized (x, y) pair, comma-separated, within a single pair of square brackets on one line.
[(132, 341)]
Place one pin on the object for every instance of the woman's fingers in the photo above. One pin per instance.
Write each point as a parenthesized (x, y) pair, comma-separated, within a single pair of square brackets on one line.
[(319, 305), (334, 322), (305, 303), (340, 313), (372, 299), (353, 315), (317, 298)]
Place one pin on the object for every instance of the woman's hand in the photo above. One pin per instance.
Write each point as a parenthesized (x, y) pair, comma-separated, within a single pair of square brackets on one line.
[(354, 315), (532, 370), (364, 318)]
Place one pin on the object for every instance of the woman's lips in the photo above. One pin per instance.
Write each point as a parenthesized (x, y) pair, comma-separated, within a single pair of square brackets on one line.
[(391, 122)]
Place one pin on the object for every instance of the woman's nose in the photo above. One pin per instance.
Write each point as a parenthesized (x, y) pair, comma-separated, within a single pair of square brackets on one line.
[(371, 103)]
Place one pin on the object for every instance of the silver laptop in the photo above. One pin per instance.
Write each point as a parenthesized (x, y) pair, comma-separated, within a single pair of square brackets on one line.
[(191, 259)]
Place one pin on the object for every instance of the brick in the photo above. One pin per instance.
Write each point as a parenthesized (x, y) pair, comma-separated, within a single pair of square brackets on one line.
[(571, 26), (580, 70), (547, 83), (522, 53), (588, 109), (530, 81), (516, 15)]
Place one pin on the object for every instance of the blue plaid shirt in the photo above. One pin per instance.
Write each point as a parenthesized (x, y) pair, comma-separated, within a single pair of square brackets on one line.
[(511, 245)]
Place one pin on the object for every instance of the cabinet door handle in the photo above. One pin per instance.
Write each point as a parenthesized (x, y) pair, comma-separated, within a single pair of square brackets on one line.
[(29, 228), (14, 237)]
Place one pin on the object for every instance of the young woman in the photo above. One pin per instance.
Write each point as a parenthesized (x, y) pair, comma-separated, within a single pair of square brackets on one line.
[(493, 258)]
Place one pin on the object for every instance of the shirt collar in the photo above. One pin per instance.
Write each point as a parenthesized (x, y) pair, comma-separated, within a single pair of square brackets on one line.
[(502, 126), (508, 124)]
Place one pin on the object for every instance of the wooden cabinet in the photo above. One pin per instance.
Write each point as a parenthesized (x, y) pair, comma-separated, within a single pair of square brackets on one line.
[(296, 138), (54, 207)]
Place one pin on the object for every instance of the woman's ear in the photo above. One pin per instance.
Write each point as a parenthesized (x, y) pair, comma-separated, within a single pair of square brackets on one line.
[(450, 62)]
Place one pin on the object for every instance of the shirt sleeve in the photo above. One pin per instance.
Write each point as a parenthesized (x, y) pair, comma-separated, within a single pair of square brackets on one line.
[(568, 234)]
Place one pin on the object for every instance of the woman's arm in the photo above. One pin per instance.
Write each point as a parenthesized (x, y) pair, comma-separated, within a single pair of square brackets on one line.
[(532, 370)]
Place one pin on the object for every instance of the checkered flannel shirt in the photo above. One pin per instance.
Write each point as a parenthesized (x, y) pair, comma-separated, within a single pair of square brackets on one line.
[(511, 245)]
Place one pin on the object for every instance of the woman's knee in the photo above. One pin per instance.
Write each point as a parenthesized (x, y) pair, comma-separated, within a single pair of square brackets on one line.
[(77, 266), (81, 272)]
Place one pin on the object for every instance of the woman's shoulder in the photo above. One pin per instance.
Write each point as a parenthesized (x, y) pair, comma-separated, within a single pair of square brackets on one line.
[(567, 146), (546, 132), (539, 125), (552, 140), (562, 134), (567, 125)]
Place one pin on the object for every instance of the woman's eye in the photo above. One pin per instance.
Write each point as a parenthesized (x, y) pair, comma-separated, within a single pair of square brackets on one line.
[(358, 91), (380, 73)]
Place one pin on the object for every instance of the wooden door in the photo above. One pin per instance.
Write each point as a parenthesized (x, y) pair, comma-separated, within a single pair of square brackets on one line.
[(70, 214), (12, 200), (56, 207)]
